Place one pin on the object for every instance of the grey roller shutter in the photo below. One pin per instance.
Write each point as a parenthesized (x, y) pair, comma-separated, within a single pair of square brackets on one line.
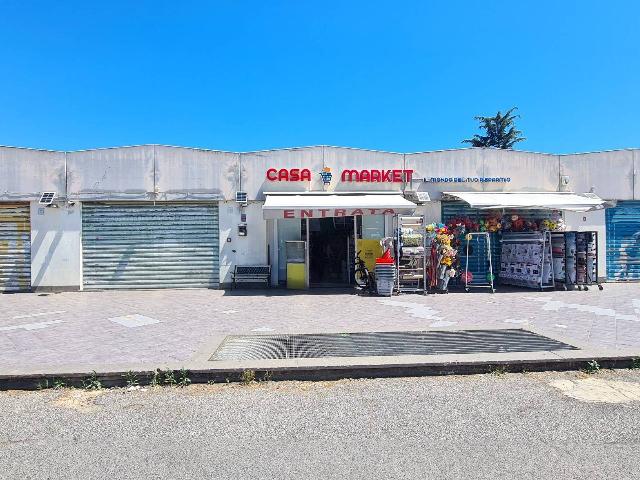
[(623, 241), (15, 248), (150, 246)]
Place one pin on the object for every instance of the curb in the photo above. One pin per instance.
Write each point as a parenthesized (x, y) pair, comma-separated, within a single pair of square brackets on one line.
[(312, 373)]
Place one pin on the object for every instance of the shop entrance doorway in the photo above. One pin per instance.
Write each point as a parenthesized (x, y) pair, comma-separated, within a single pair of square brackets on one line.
[(331, 255)]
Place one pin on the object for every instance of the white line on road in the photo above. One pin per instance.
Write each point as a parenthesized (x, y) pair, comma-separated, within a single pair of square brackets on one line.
[(30, 326), (41, 314)]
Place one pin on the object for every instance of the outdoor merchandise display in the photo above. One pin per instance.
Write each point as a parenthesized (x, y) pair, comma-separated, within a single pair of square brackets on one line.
[(526, 260), (481, 241), (385, 270), (575, 259), (410, 251), (442, 259)]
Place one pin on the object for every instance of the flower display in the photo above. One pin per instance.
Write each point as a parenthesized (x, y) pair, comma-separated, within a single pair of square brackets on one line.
[(495, 222)]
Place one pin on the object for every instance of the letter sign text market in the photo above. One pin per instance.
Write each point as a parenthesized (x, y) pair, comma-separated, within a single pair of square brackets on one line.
[(348, 175)]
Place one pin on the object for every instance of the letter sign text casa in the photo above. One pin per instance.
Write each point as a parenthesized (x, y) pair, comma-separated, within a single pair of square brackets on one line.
[(289, 175)]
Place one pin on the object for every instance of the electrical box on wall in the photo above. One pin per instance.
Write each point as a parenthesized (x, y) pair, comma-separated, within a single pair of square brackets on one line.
[(242, 230)]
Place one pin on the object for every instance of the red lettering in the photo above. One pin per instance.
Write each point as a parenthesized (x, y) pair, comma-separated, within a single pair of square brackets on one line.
[(386, 175), (306, 213), (350, 176), (294, 174), (339, 212), (305, 175), (357, 211), (272, 174), (376, 176), (388, 211), (323, 212), (283, 175), (373, 211), (364, 176), (407, 175), (397, 175), (289, 214)]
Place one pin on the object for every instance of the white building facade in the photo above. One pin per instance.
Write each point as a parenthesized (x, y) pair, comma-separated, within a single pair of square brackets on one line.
[(157, 216)]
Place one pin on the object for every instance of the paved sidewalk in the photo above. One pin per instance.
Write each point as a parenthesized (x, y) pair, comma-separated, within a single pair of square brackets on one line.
[(88, 329)]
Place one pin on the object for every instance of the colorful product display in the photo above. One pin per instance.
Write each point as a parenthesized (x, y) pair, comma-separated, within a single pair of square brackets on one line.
[(525, 260), (442, 261), (575, 259)]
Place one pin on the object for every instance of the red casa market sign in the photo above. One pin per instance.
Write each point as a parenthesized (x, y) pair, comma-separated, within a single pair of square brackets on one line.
[(348, 175)]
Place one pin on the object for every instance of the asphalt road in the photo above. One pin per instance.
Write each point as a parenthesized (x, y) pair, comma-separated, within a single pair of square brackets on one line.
[(488, 426)]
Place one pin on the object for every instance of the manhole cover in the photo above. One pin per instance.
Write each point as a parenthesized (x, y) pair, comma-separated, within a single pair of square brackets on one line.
[(273, 347)]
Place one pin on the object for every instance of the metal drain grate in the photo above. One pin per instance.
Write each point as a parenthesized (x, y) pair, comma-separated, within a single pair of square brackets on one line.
[(263, 347)]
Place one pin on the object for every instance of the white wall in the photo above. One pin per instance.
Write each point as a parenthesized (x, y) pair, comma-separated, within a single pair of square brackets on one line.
[(26, 173), (609, 174), (249, 250), (192, 174), (55, 246), (591, 221), (432, 211)]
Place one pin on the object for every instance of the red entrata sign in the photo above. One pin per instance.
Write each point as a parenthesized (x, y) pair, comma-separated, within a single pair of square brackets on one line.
[(335, 212), (368, 176)]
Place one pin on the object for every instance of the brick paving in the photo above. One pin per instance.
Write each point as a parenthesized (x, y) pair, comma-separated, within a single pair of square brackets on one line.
[(74, 328)]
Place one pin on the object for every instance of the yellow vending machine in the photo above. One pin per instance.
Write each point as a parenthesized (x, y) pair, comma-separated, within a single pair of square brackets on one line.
[(296, 252)]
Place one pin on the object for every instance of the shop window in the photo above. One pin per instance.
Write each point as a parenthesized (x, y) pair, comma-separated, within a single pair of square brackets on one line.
[(288, 229), (372, 227)]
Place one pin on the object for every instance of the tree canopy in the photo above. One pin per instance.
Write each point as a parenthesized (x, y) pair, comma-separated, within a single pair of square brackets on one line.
[(500, 131)]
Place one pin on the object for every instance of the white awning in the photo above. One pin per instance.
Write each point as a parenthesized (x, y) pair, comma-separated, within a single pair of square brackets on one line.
[(322, 205), (531, 200)]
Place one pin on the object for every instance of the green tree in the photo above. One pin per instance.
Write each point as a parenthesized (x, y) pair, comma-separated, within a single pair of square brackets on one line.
[(500, 131)]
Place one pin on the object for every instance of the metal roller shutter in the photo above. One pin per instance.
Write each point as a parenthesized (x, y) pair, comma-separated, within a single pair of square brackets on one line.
[(150, 246), (15, 248), (623, 241)]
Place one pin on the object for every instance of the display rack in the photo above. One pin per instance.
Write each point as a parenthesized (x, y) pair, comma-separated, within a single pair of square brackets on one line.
[(487, 282), (410, 254), (575, 259), (526, 260)]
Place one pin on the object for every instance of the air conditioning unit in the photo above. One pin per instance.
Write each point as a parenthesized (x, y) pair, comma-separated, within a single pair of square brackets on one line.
[(241, 197)]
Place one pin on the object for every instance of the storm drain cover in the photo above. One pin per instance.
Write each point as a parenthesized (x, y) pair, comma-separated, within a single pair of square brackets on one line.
[(365, 344)]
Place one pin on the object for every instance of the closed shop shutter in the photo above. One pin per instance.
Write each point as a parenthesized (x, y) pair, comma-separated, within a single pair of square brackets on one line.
[(15, 247), (623, 241), (150, 246)]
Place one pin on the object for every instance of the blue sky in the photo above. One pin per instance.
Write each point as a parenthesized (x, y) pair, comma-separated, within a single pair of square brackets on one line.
[(246, 75)]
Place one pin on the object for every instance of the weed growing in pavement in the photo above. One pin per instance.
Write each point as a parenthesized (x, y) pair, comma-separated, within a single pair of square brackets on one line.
[(499, 370), (183, 378), (92, 382), (169, 377), (43, 384), (266, 376), (635, 363), (211, 382), (592, 367), (248, 376), (131, 379), (58, 384), (156, 378)]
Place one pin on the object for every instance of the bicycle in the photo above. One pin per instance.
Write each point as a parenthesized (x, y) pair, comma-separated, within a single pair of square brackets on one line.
[(364, 279)]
